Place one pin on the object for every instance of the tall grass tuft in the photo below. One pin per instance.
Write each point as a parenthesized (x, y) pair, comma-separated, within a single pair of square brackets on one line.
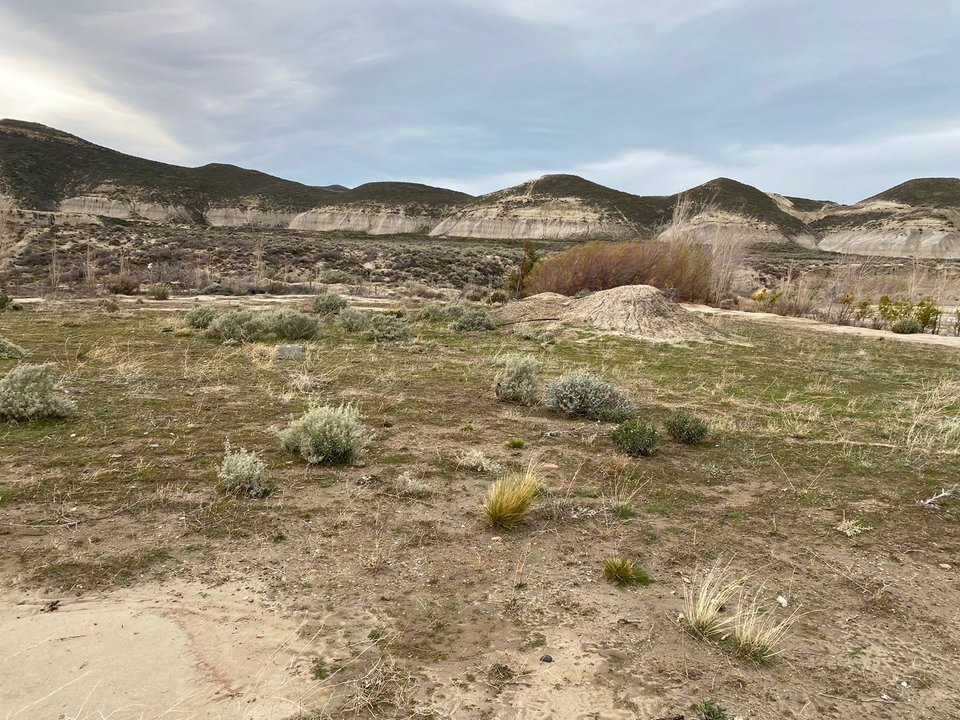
[(511, 497), (621, 570), (705, 599)]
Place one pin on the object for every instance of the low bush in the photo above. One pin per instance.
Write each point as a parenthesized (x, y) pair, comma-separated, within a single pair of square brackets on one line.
[(200, 317), (585, 395), (336, 277), (159, 291), (510, 498), (474, 320), (9, 350), (623, 571), (327, 304), (636, 437), (248, 326), (30, 392), (687, 429), (518, 381), (5, 300), (478, 461), (906, 326), (122, 284), (439, 311), (327, 435), (351, 319), (388, 328), (241, 473)]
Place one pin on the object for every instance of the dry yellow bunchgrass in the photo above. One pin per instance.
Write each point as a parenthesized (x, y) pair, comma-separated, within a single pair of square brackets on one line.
[(511, 497), (704, 601)]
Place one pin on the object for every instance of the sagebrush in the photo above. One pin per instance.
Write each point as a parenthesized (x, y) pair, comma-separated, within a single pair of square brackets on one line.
[(636, 437), (241, 473), (687, 429), (9, 350), (200, 317), (31, 392), (327, 435), (519, 380), (584, 395), (249, 326)]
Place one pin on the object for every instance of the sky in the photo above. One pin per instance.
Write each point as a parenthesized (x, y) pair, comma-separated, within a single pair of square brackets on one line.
[(824, 99)]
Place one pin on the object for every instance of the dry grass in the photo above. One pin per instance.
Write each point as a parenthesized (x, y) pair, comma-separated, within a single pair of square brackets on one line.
[(511, 498), (621, 570), (757, 634), (704, 601)]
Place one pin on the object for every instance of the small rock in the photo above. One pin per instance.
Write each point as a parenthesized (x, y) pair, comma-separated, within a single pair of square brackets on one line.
[(289, 352), (946, 566), (781, 601), (547, 659)]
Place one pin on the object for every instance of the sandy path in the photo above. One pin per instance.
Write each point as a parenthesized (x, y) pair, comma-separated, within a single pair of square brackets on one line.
[(806, 323), (174, 651)]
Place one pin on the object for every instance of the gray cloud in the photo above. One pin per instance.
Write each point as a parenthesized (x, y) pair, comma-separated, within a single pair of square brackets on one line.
[(814, 98)]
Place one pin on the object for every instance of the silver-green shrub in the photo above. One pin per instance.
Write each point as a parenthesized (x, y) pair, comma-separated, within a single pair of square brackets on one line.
[(474, 320), (518, 381), (327, 435), (9, 350), (245, 325), (200, 317), (584, 395), (351, 319), (438, 311), (242, 473), (388, 328), (329, 303), (31, 392)]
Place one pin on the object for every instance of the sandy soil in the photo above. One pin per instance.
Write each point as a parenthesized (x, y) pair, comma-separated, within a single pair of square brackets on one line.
[(175, 651)]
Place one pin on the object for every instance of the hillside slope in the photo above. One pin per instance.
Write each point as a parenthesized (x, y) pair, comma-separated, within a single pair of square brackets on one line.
[(62, 179)]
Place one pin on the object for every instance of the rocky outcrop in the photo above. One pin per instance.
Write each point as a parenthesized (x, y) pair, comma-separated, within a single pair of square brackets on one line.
[(125, 210), (239, 217), (519, 213), (370, 222), (901, 241), (530, 228)]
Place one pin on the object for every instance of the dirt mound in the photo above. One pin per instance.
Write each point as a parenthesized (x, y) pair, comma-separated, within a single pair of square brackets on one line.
[(639, 311)]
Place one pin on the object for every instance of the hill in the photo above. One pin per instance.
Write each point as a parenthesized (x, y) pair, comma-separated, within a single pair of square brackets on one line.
[(72, 181)]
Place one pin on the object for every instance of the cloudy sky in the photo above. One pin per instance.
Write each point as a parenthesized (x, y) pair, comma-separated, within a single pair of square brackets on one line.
[(818, 98)]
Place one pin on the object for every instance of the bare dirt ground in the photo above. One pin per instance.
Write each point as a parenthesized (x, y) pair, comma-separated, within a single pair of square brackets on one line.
[(135, 589)]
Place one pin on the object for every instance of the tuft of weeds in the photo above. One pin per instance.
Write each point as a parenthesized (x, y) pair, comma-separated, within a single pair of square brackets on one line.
[(705, 600), (516, 443), (687, 429), (478, 461), (409, 487), (511, 497), (756, 633), (621, 570), (636, 437), (327, 435), (852, 527), (709, 710)]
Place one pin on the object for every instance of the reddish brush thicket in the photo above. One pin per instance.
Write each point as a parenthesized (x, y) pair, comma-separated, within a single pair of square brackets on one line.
[(679, 265)]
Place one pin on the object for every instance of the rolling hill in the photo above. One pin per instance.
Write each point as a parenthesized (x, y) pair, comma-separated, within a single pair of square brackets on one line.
[(63, 179)]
